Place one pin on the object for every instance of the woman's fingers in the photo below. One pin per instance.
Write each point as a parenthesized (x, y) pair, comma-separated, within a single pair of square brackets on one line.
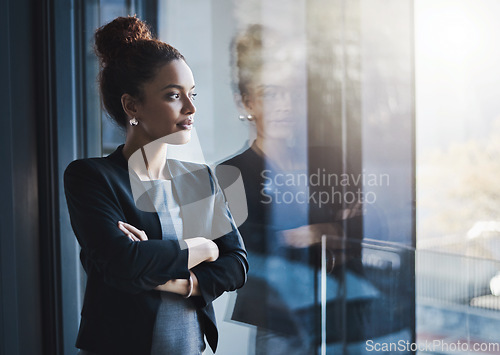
[(308, 235), (123, 229), (133, 238), (131, 228), (132, 232), (355, 209), (300, 237)]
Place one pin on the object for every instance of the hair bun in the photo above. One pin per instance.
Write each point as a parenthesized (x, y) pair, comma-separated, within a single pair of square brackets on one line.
[(115, 37)]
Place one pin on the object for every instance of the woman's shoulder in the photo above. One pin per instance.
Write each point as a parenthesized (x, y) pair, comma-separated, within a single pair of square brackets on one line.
[(111, 164), (244, 159), (91, 165), (84, 165)]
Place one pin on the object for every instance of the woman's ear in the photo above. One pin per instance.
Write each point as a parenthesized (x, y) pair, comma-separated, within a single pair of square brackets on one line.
[(129, 105), (239, 104), (246, 103)]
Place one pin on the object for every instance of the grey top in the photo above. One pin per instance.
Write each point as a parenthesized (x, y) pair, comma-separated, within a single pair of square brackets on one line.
[(177, 329)]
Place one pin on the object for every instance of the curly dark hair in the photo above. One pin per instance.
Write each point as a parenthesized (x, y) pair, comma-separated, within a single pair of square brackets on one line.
[(129, 56)]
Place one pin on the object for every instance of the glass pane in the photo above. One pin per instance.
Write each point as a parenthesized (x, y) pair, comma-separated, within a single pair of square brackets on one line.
[(101, 135), (313, 102), (457, 163), (456, 310), (112, 135)]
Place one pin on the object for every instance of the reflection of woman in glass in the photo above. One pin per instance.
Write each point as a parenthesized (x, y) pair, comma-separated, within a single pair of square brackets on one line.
[(281, 234), (148, 292)]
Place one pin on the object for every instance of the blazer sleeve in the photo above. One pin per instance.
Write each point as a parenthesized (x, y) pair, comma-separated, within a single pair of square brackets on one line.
[(229, 271), (94, 211)]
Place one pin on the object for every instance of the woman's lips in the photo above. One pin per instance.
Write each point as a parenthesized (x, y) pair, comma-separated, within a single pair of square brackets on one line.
[(186, 124), (284, 122)]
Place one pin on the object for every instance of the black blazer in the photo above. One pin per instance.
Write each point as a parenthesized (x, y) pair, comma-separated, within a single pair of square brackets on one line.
[(120, 303)]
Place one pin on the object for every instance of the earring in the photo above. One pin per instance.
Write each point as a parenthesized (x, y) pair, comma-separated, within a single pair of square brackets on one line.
[(246, 118), (133, 121)]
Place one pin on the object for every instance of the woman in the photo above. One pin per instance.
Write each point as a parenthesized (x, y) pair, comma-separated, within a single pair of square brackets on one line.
[(149, 288), (284, 226)]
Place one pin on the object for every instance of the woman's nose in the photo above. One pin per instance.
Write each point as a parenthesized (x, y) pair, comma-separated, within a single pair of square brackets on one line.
[(189, 108), (284, 101)]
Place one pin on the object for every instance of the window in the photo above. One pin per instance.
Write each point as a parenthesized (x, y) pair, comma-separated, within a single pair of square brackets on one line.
[(402, 100), (457, 149), (352, 87)]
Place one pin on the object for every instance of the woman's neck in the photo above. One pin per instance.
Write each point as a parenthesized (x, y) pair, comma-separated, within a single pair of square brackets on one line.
[(154, 156), (277, 151)]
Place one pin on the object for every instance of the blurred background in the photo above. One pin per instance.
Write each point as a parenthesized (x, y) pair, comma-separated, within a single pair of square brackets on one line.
[(406, 88)]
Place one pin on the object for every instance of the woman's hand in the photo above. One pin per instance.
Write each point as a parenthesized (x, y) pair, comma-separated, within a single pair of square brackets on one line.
[(133, 233), (180, 286), (200, 250), (305, 236)]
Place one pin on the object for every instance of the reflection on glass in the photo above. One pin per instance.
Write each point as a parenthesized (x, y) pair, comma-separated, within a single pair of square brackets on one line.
[(294, 199), (267, 87), (326, 91)]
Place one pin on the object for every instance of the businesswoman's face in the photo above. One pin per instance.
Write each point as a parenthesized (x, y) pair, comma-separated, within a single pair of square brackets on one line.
[(269, 99), (166, 108)]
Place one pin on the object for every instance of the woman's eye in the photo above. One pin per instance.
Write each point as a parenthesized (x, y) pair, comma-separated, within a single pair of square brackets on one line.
[(269, 93), (174, 95), (193, 96)]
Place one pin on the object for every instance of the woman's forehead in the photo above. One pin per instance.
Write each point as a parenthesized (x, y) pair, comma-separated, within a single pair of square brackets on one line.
[(276, 74), (176, 72)]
